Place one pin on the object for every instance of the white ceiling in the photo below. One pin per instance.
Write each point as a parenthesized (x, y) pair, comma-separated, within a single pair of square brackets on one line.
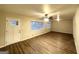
[(38, 10)]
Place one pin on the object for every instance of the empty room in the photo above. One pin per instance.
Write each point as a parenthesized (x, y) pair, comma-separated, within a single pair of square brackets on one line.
[(39, 28)]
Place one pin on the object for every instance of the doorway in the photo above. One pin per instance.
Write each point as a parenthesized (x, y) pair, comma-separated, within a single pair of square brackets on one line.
[(13, 31)]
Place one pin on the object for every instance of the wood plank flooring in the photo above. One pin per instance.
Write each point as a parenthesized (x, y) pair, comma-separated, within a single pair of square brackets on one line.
[(49, 43)]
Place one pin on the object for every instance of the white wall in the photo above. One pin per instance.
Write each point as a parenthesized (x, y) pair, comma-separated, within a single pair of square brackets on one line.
[(2, 29), (76, 29), (63, 26)]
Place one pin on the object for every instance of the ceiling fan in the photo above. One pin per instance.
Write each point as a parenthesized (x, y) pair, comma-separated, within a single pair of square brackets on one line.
[(47, 18), (47, 15)]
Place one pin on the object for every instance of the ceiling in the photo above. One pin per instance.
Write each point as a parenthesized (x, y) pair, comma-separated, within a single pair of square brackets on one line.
[(66, 11)]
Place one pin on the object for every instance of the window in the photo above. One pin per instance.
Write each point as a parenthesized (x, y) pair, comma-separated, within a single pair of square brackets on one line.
[(36, 25)]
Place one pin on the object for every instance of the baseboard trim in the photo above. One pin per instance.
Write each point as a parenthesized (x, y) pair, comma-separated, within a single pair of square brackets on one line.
[(62, 32)]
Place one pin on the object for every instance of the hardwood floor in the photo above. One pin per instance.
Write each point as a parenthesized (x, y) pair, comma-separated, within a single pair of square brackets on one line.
[(49, 43)]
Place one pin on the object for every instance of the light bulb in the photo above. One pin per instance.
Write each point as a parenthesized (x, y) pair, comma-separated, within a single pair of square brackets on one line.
[(46, 19)]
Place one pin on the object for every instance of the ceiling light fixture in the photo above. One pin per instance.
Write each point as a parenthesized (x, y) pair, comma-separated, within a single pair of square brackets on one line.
[(46, 19), (58, 19)]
